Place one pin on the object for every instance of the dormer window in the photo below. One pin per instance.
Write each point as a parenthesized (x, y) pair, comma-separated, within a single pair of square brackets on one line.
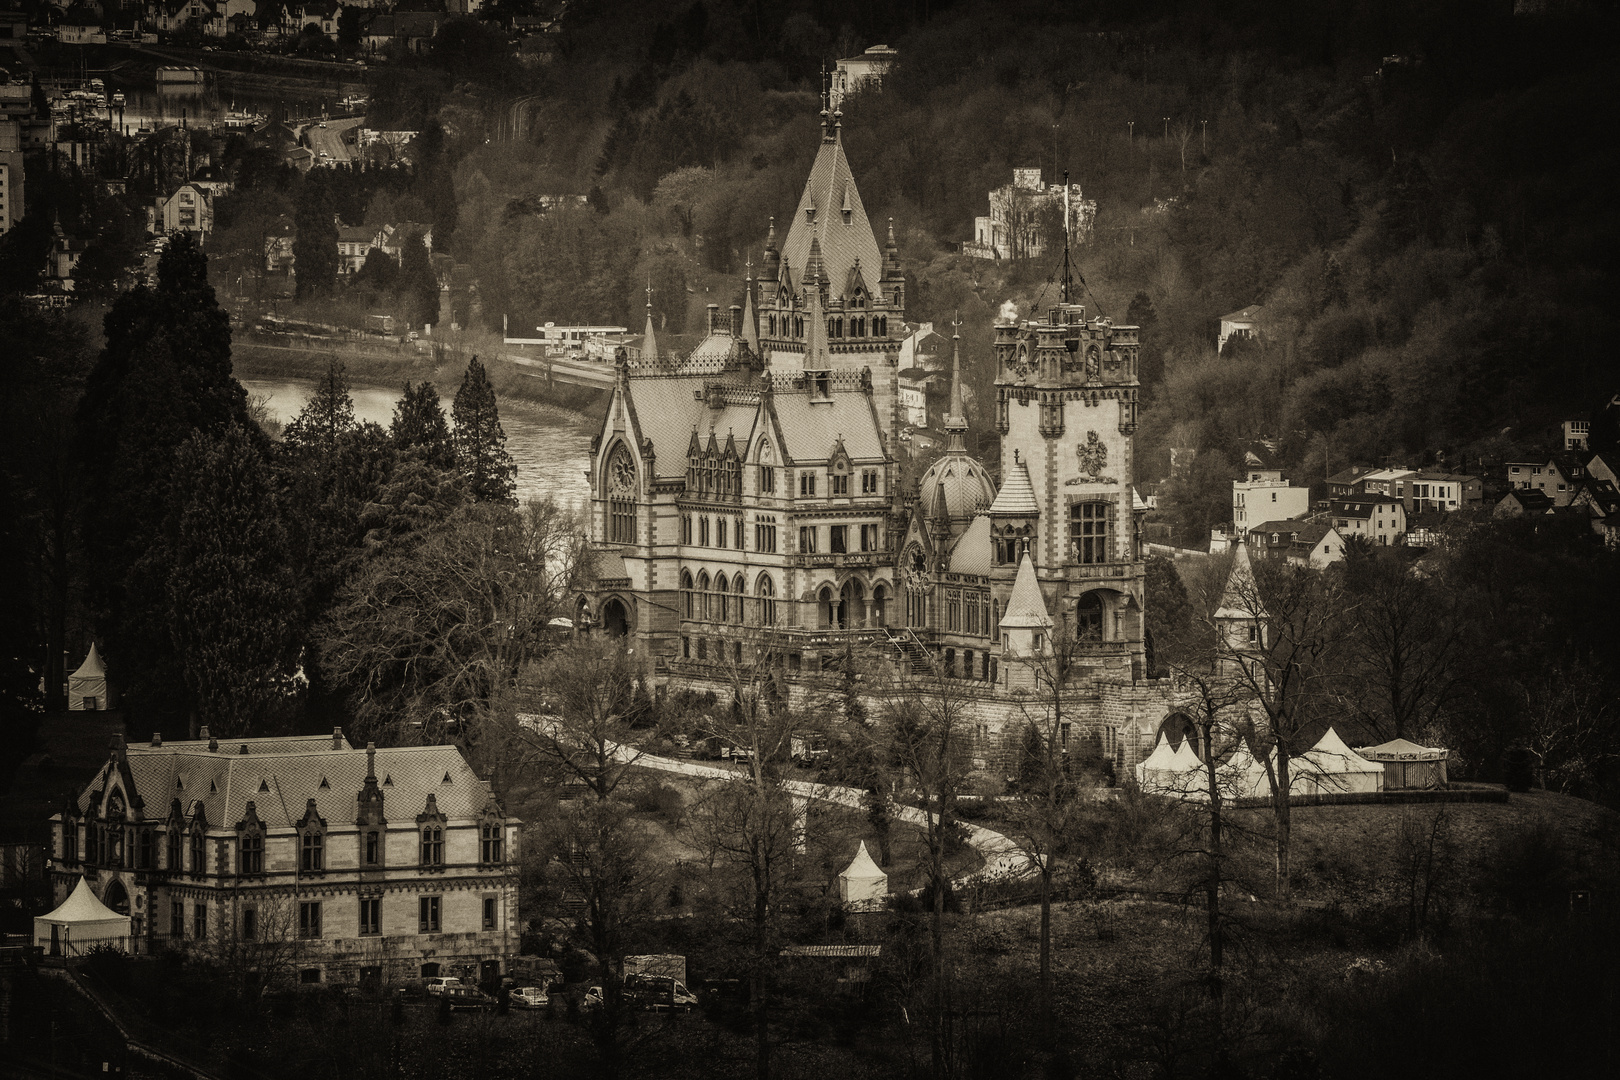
[(199, 861), (810, 215), (311, 852), (433, 845)]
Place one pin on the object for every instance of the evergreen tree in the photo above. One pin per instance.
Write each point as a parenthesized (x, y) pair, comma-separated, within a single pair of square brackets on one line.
[(315, 250), (326, 417), (163, 376), (379, 271), (418, 285), (233, 600), (420, 425), (480, 442)]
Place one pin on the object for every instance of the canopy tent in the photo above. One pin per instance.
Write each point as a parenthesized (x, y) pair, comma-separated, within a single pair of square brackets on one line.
[(862, 881), (1162, 760), (87, 687), (1171, 772), (1407, 765), (1242, 777), (80, 924), (1331, 768)]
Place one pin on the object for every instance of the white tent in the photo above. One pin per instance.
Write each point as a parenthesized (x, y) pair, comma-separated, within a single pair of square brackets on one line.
[(1162, 760), (862, 880), (1242, 777), (1330, 768), (87, 687), (80, 924), (1407, 765)]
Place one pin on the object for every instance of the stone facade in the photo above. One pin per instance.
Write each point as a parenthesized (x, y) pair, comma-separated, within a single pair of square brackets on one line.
[(302, 855)]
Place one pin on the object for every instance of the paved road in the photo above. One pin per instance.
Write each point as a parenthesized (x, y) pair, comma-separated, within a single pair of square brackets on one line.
[(329, 140), (1002, 858)]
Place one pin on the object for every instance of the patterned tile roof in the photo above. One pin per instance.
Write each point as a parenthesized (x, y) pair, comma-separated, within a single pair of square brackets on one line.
[(840, 228), (971, 555), (280, 782), (810, 429), (1017, 495), (1026, 607)]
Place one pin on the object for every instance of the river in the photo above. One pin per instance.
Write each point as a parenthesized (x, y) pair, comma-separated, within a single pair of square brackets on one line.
[(550, 450)]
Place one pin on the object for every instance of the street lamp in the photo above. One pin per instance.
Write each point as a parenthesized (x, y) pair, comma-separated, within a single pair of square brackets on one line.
[(1167, 127), (1131, 132)]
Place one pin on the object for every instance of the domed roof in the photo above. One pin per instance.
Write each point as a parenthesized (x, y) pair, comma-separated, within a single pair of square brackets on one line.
[(957, 487)]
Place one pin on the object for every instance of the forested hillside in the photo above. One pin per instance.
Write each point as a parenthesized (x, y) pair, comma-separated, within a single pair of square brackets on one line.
[(1415, 193)]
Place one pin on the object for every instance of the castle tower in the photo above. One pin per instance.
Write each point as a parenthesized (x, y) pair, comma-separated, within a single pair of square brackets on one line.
[(1025, 628), (831, 297), (1066, 401), (1240, 618)]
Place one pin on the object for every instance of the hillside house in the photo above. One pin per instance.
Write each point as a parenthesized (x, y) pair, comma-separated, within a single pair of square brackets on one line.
[(354, 244), (190, 209), (1244, 323), (1015, 228), (1556, 476), (862, 73), (1380, 519), (1316, 544)]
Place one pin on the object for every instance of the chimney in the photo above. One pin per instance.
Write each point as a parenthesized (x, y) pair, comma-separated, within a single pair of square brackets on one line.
[(157, 738), (213, 744), (243, 750), (714, 312), (337, 738), (371, 761), (736, 321), (202, 732)]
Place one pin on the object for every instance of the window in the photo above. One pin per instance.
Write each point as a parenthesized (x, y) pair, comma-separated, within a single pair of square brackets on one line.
[(250, 924), (871, 540), (312, 853), (252, 853), (427, 916), (686, 528), (807, 484), (840, 484), (738, 587), (767, 601), (972, 617), (838, 537), (765, 533), (70, 840), (703, 531), (146, 853), (767, 479), (869, 482), (995, 620), (703, 595), (1088, 618), (953, 611), (689, 603), (309, 919), (199, 863), (174, 848), (489, 842), (177, 919), (1091, 528), (433, 846), (373, 853), (719, 532), (807, 539), (491, 912), (370, 915), (199, 921), (738, 533)]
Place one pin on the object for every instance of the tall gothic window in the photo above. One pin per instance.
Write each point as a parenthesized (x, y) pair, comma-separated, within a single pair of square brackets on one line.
[(688, 600), (767, 601), (621, 484)]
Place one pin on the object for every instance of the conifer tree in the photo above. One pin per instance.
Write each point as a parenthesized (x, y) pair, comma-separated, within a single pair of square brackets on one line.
[(418, 285), (420, 425), (480, 442), (164, 375), (326, 417), (315, 247)]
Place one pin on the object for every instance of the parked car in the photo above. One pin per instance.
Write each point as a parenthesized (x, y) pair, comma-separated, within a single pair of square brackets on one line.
[(530, 997), (590, 998), (438, 984), (467, 997)]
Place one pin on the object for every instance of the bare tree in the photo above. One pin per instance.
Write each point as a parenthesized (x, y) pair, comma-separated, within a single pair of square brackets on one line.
[(1404, 647), (1570, 720)]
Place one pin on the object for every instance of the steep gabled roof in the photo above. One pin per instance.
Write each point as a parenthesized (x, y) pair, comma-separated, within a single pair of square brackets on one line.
[(1026, 607), (1242, 592), (1017, 495), (839, 227)]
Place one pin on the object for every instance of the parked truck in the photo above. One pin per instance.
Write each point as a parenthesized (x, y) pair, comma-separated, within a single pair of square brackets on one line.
[(658, 982), (656, 964)]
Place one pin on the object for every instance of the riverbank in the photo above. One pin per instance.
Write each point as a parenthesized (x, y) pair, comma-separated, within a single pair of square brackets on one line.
[(389, 370)]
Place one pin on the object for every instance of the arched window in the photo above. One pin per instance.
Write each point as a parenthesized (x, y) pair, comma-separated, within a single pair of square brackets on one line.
[(880, 605), (1088, 617), (722, 599), (767, 469), (739, 587), (767, 601), (688, 602), (703, 595), (824, 607), (621, 491)]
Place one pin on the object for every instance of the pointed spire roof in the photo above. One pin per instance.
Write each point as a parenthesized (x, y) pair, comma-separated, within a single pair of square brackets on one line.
[(956, 419), (815, 269), (815, 335), (1242, 593), (1026, 607), (830, 214), (750, 326), (649, 341), (1017, 495), (91, 668)]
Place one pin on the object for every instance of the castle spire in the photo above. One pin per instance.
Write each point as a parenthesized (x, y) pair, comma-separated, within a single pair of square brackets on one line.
[(649, 342), (955, 421), (750, 323)]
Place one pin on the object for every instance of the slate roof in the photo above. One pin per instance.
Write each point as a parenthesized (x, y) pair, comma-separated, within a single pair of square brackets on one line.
[(280, 775), (1017, 495), (1242, 591), (1026, 607), (811, 429), (1248, 314), (971, 555), (828, 191), (667, 413)]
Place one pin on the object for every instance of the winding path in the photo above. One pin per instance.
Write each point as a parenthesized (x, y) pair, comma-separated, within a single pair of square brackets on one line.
[(1002, 858)]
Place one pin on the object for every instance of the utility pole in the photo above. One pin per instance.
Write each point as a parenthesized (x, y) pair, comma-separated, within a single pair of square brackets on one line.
[(1205, 123), (1167, 128), (1130, 131)]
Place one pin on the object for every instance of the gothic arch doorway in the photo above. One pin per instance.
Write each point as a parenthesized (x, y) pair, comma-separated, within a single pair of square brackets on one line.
[(1179, 728), (117, 897), (851, 605), (615, 619)]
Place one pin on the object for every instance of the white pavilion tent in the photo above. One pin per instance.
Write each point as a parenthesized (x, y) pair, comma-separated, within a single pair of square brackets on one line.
[(1407, 765), (1242, 777), (862, 881), (1332, 768), (1161, 760), (87, 687), (79, 924)]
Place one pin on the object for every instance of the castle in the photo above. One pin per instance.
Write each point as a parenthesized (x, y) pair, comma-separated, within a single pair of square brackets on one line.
[(751, 492)]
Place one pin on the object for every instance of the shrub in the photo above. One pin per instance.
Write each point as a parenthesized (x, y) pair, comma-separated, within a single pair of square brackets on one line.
[(662, 799)]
